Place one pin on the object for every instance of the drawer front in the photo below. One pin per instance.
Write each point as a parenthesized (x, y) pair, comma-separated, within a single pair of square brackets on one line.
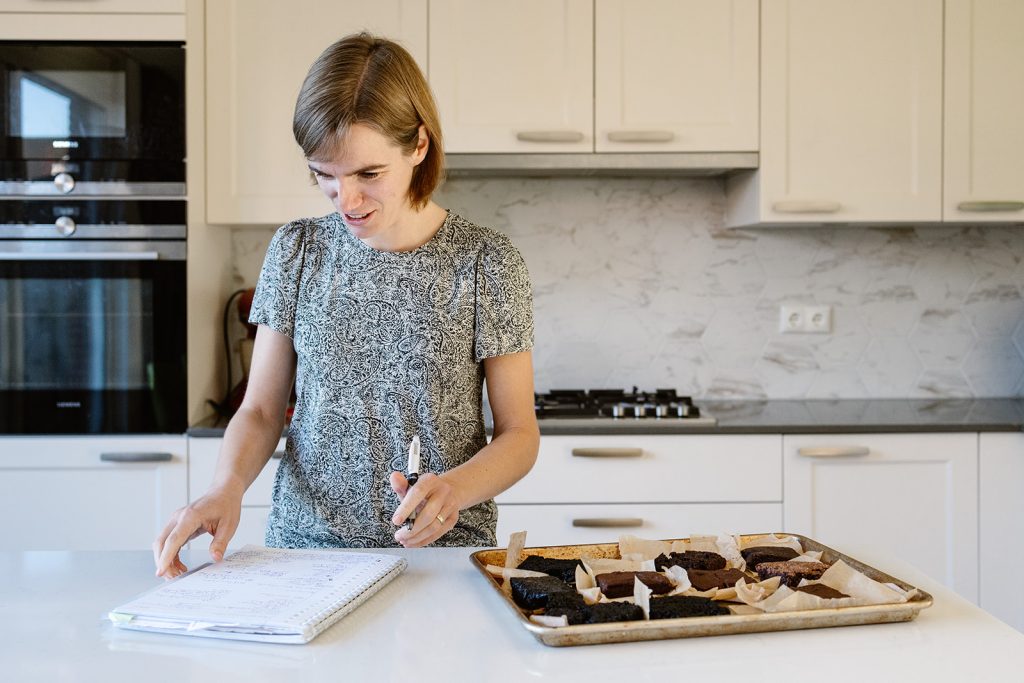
[(86, 493), (570, 524), (203, 455), (653, 469)]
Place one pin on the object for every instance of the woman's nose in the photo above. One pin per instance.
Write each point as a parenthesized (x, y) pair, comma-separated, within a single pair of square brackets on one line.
[(349, 197)]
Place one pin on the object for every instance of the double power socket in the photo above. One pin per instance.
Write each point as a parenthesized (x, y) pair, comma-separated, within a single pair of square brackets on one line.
[(801, 319)]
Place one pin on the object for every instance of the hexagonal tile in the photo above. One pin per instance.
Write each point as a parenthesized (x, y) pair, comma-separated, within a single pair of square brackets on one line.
[(995, 307), (889, 311), (837, 383), (734, 338), (889, 368), (942, 338), (786, 369), (942, 278), (844, 346), (676, 314), (994, 367), (943, 383), (681, 364), (735, 384), (733, 270), (788, 253)]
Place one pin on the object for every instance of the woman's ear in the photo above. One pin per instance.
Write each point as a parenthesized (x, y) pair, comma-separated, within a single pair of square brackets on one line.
[(422, 146)]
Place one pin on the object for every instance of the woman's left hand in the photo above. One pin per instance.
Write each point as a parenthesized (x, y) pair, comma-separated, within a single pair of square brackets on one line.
[(436, 506)]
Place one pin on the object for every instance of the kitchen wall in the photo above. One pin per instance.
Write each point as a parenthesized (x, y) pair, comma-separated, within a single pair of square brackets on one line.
[(636, 282)]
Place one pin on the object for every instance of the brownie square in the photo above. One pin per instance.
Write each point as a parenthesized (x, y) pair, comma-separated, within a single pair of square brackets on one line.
[(675, 606), (620, 584), (690, 559), (532, 592), (562, 569), (605, 612), (704, 580), (791, 572), (758, 554)]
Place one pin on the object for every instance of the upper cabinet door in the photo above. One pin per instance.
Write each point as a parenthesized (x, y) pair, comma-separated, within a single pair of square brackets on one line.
[(851, 97), (984, 138), (256, 62), (676, 75), (513, 76)]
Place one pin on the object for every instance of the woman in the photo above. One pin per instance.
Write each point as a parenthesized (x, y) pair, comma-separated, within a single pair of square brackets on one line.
[(389, 313)]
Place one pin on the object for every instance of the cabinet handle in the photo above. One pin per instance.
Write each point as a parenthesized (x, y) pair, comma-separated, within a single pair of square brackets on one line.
[(641, 136), (136, 457), (80, 256), (605, 522), (806, 207), (990, 206), (833, 451), (607, 452), (277, 455), (549, 136)]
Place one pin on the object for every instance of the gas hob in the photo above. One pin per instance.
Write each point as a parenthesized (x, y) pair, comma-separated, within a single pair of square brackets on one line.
[(590, 407)]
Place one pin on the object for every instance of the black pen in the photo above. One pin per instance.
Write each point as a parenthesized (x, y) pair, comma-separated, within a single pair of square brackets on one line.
[(413, 474)]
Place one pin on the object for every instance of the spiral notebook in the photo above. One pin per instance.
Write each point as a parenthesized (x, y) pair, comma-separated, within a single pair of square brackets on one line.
[(268, 594)]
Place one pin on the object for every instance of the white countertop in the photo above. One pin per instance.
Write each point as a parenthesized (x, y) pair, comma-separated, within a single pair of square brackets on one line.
[(440, 621)]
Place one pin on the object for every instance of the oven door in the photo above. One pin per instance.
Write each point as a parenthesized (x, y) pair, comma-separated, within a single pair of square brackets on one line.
[(91, 112), (92, 337)]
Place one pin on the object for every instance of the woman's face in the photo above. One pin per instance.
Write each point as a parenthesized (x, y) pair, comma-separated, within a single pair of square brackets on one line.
[(368, 183)]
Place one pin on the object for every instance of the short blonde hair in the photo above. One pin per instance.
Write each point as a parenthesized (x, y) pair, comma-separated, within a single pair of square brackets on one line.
[(375, 82)]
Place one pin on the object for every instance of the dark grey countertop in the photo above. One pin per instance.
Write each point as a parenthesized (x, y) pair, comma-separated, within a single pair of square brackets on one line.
[(822, 416)]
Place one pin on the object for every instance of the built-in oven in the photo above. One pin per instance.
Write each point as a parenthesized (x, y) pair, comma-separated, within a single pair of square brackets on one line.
[(92, 316), (92, 118)]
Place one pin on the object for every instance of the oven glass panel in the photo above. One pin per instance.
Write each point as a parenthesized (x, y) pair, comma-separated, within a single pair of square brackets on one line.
[(94, 333), (92, 346), (66, 104)]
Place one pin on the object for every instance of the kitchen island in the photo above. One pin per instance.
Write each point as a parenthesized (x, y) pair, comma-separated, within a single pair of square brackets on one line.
[(441, 621)]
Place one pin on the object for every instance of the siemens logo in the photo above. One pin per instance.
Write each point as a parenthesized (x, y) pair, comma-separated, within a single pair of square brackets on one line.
[(65, 144)]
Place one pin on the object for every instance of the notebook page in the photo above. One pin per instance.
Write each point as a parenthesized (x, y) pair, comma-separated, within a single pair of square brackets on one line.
[(272, 587)]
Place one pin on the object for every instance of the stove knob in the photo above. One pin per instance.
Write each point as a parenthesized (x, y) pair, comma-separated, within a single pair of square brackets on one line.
[(683, 410), (639, 410), (65, 226), (64, 182), (662, 410)]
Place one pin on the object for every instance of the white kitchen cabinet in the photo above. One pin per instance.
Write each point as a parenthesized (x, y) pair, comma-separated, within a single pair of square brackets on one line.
[(983, 167), (676, 76), (513, 76), (98, 20), (256, 62), (1001, 487), (89, 493), (851, 115), (95, 6), (911, 496), (594, 488), (252, 526)]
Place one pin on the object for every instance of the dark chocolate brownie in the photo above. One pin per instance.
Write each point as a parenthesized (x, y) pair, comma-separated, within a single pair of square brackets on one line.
[(575, 615), (822, 591), (673, 606), (604, 612), (620, 584), (562, 569), (791, 572), (690, 559), (565, 599), (532, 592), (761, 553), (704, 580)]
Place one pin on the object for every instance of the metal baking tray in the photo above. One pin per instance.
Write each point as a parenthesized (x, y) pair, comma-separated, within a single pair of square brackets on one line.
[(627, 631)]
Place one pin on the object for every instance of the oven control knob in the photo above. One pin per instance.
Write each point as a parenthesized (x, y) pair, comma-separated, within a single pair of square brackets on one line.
[(65, 226), (65, 182)]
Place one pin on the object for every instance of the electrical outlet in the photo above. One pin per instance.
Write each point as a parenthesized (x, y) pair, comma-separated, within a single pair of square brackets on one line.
[(799, 319), (818, 319), (791, 319)]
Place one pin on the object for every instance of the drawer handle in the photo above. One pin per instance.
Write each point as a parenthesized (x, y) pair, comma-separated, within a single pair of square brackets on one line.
[(833, 451), (607, 452), (549, 136), (806, 207), (277, 455), (641, 136), (136, 457), (605, 522), (990, 206)]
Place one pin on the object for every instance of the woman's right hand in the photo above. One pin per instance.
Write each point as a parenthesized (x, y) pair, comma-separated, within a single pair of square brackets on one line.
[(216, 513)]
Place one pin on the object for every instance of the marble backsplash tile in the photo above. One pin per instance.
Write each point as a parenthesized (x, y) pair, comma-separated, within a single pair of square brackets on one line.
[(636, 281)]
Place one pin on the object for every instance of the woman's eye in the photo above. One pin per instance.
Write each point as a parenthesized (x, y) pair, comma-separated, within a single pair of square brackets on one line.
[(370, 175)]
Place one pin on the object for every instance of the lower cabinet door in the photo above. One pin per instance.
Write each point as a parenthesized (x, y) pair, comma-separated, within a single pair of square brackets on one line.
[(908, 496), (1002, 525), (599, 523), (89, 493)]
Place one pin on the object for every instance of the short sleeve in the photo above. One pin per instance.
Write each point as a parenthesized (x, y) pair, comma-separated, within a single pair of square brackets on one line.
[(277, 291), (504, 301)]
